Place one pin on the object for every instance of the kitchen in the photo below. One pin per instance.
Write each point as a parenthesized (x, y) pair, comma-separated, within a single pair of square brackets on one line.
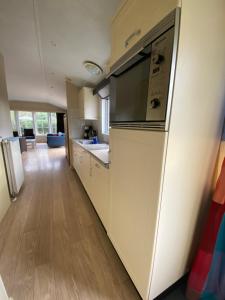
[(144, 140)]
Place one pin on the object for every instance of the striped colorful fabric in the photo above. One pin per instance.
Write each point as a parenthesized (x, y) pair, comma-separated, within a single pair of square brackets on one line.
[(207, 278)]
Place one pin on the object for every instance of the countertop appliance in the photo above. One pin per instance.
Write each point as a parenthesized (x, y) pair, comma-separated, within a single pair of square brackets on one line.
[(141, 82), (89, 132), (13, 164)]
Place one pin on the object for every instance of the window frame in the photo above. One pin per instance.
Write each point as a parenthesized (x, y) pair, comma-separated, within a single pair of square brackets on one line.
[(105, 109)]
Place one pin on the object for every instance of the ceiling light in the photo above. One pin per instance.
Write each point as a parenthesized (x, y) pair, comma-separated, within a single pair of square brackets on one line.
[(93, 68)]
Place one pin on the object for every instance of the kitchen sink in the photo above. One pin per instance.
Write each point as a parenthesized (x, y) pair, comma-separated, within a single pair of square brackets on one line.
[(96, 146), (85, 142)]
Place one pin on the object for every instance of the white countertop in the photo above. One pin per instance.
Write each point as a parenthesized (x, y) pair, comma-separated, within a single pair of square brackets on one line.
[(99, 151), (102, 155)]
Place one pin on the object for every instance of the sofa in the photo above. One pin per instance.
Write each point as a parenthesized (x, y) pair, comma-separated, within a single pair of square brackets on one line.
[(55, 140)]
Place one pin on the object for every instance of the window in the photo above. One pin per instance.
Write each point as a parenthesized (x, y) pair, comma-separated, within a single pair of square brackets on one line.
[(25, 119), (42, 123), (105, 116)]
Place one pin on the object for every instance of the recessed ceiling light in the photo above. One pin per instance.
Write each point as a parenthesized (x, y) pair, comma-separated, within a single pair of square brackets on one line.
[(93, 68)]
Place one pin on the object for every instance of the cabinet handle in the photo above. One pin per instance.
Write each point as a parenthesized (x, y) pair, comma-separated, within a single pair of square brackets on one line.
[(130, 37)]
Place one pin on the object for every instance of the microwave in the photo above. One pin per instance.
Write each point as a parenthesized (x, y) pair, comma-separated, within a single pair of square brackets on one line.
[(141, 83)]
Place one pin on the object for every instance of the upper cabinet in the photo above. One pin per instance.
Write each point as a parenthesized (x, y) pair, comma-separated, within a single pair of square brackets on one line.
[(134, 19), (88, 104)]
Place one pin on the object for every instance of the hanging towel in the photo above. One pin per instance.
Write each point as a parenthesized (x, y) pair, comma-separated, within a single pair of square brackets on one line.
[(207, 277)]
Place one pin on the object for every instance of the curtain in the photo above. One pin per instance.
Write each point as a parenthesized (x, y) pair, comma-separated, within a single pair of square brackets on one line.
[(60, 122)]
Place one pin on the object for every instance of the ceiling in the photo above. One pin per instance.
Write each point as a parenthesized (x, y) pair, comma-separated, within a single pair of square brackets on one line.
[(45, 41)]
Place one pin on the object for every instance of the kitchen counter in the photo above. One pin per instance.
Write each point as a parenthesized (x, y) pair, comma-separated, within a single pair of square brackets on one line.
[(99, 151)]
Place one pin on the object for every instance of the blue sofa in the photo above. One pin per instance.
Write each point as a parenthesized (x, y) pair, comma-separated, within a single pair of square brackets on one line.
[(55, 140)]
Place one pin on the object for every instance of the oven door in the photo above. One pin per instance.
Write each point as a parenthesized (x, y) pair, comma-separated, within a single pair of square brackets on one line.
[(139, 89), (129, 90)]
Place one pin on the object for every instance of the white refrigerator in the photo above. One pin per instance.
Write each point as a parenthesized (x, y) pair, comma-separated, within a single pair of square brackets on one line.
[(13, 165)]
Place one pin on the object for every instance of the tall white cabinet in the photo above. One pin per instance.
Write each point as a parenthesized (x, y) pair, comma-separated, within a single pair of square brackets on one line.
[(161, 181), (136, 171)]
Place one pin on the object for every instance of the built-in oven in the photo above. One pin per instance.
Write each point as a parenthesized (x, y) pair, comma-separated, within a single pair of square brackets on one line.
[(141, 82)]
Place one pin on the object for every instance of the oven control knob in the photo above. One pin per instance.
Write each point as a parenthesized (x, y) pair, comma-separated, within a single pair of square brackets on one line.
[(155, 103), (157, 59)]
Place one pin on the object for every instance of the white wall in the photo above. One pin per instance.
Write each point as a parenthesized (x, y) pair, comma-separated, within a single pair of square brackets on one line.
[(5, 122)]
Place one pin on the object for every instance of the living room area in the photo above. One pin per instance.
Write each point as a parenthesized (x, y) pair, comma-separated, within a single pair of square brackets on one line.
[(44, 124)]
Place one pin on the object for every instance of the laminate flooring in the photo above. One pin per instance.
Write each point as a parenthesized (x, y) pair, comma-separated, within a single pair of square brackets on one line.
[(52, 243)]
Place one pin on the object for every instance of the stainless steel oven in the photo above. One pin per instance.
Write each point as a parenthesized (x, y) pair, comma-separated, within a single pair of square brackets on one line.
[(141, 82)]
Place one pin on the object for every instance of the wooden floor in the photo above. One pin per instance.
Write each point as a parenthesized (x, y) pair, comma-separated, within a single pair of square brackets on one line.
[(52, 244)]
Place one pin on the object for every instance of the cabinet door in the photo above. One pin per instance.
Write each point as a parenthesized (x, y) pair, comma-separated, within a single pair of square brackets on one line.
[(135, 180), (85, 165), (88, 104), (76, 157), (100, 190), (134, 20)]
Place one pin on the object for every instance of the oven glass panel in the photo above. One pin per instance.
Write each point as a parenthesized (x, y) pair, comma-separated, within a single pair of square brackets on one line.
[(129, 90)]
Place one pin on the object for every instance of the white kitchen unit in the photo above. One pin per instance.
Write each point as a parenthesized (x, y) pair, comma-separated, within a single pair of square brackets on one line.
[(88, 104), (94, 175), (135, 172), (161, 177), (133, 20), (76, 157), (100, 190)]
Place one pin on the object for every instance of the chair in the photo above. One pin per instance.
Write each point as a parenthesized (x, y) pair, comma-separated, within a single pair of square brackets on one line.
[(29, 134), (15, 133)]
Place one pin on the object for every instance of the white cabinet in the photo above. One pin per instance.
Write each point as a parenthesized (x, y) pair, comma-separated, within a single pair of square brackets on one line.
[(85, 170), (134, 20), (88, 104), (100, 190), (95, 179), (82, 165), (76, 157), (135, 178)]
